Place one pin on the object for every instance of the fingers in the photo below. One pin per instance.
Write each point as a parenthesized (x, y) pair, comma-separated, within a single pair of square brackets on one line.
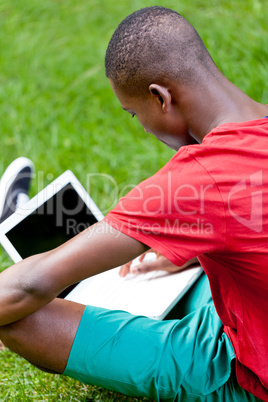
[(152, 261), (146, 267), (142, 256), (125, 269), (130, 267), (161, 263)]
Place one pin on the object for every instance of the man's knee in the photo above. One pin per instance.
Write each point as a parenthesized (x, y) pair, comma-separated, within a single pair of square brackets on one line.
[(45, 337), (19, 335), (8, 335), (14, 335)]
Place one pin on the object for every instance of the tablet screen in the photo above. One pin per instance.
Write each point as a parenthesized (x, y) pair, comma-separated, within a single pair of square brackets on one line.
[(57, 220)]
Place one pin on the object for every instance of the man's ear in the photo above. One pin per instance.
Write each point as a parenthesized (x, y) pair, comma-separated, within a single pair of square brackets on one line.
[(162, 95)]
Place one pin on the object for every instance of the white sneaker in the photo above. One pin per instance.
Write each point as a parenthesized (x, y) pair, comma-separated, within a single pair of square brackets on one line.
[(14, 186)]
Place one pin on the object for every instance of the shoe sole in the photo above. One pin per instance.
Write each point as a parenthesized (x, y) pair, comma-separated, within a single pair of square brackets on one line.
[(10, 176)]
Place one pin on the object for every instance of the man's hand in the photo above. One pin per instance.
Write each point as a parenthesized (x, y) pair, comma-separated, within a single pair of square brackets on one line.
[(160, 263)]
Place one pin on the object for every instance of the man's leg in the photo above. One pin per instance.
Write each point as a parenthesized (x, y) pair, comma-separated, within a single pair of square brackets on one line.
[(188, 359), (164, 360), (131, 354), (45, 338)]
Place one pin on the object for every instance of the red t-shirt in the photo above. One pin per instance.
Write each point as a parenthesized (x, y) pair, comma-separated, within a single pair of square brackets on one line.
[(211, 201)]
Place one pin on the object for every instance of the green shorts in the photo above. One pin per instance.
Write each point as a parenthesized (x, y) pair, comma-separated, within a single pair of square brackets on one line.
[(188, 359)]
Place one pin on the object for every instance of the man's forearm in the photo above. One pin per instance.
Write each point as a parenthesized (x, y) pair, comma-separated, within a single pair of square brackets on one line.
[(29, 285)]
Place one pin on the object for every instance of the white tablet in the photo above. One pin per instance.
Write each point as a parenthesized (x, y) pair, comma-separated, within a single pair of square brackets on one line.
[(56, 214), (62, 210)]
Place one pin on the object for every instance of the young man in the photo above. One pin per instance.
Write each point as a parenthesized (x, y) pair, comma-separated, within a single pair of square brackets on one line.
[(207, 202)]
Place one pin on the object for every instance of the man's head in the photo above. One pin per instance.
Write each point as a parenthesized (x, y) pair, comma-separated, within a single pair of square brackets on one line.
[(154, 60), (151, 45)]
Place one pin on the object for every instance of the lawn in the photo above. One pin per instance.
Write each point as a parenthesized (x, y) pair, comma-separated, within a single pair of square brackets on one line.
[(56, 107)]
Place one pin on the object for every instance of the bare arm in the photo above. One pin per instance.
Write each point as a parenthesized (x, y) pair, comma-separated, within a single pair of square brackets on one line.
[(27, 286)]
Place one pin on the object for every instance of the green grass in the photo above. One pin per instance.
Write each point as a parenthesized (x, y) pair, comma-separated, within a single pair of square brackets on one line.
[(57, 108), (29, 384)]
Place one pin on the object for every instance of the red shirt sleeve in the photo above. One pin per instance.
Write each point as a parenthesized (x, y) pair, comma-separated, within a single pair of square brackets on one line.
[(178, 211)]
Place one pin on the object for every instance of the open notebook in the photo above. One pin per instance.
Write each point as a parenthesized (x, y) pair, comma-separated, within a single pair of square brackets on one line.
[(60, 211)]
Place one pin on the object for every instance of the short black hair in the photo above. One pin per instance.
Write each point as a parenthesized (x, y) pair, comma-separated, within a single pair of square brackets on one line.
[(154, 44)]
